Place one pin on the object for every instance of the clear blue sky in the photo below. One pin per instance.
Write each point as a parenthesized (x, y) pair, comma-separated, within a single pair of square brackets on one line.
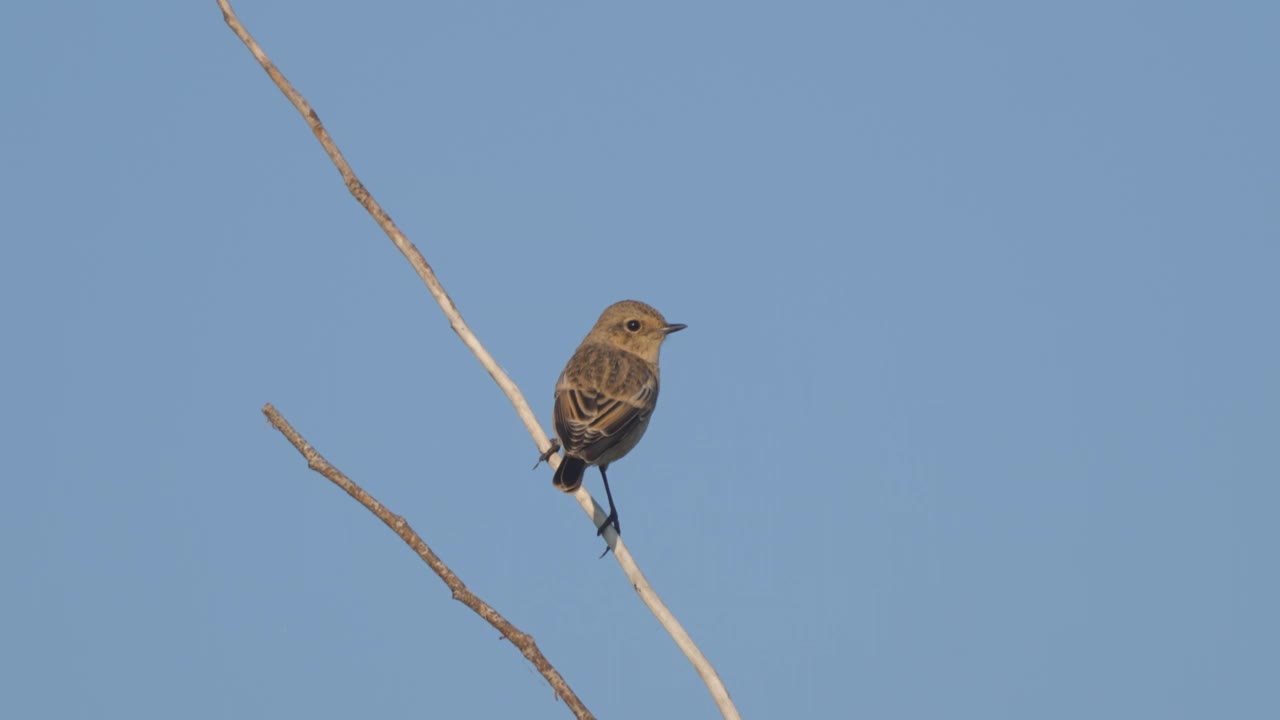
[(977, 415)]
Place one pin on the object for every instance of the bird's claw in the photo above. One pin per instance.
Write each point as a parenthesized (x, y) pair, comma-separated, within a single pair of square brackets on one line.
[(555, 448), (612, 519)]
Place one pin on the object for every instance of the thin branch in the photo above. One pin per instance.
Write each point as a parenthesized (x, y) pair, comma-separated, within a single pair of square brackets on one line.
[(647, 595), (461, 592)]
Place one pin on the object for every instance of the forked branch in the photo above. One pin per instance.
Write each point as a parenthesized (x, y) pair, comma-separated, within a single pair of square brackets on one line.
[(647, 595)]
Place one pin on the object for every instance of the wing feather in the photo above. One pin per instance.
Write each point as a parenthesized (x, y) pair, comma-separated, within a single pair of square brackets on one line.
[(590, 420)]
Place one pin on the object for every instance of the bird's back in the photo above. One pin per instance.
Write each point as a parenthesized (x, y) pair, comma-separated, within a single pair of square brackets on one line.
[(603, 401)]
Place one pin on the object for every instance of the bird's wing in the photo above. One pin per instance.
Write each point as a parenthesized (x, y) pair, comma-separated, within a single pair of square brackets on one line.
[(589, 421)]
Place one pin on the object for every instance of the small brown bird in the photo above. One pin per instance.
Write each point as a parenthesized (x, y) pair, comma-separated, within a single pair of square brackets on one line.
[(607, 392)]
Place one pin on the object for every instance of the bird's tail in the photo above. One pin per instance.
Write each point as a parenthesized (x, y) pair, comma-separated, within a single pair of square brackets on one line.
[(569, 474)]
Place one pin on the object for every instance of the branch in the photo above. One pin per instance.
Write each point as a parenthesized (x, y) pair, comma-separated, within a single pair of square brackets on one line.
[(647, 595), (461, 593)]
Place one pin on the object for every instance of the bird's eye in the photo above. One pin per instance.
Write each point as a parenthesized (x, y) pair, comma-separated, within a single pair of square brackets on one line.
[(633, 325)]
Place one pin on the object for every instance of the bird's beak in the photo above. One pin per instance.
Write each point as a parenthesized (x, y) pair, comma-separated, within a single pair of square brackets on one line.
[(673, 327)]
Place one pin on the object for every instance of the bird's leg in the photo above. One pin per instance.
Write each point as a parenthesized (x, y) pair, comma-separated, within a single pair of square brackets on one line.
[(613, 513), (612, 518), (555, 448)]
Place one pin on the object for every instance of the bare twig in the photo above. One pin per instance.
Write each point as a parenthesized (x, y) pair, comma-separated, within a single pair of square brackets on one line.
[(647, 595), (461, 592)]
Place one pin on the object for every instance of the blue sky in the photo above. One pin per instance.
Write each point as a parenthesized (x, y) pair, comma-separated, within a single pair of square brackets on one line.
[(976, 415)]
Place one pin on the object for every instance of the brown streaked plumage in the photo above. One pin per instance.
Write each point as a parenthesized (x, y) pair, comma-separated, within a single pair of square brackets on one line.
[(607, 392)]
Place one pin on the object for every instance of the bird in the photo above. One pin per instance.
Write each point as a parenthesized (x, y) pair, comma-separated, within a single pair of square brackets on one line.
[(607, 393)]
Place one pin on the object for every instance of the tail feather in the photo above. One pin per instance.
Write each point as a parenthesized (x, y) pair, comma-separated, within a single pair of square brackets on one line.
[(569, 474)]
